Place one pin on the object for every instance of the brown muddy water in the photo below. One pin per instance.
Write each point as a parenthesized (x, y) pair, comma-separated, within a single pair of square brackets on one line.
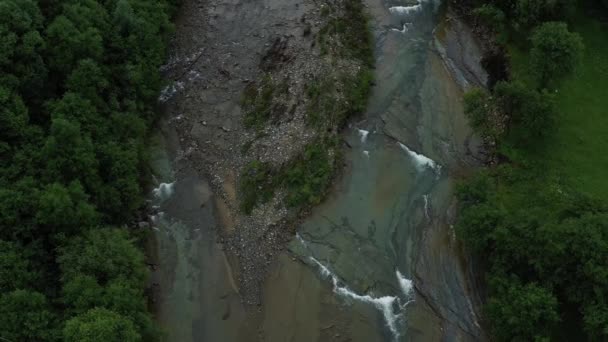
[(377, 261)]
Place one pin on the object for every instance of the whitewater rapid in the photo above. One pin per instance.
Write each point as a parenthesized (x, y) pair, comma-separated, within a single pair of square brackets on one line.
[(421, 161), (363, 133), (163, 191), (391, 307)]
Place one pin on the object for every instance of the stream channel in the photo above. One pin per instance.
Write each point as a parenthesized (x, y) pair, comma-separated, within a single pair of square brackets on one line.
[(377, 261)]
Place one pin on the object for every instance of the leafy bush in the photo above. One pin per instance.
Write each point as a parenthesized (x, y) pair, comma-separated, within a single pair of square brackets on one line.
[(347, 26), (308, 177), (491, 16), (555, 52), (257, 185), (522, 312), (530, 112), (480, 109), (258, 102)]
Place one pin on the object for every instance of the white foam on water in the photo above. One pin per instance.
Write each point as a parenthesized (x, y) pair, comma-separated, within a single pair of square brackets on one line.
[(363, 133), (302, 241), (169, 91), (164, 191), (405, 9), (389, 306), (426, 206), (422, 162), (366, 153), (405, 28), (407, 286)]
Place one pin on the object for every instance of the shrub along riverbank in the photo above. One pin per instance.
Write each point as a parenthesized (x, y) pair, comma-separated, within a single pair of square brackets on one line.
[(332, 98), (79, 81), (539, 216)]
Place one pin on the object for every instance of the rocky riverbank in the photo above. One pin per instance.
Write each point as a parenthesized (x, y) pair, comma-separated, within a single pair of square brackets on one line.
[(241, 75), (390, 212)]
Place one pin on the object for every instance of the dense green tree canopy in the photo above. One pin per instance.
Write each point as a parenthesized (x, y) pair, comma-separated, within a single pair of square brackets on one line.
[(104, 254), (78, 85), (26, 316), (21, 47), (15, 269), (552, 243), (525, 312), (100, 325), (14, 116), (65, 209)]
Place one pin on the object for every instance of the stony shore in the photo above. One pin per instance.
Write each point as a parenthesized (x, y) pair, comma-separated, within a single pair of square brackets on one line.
[(212, 62)]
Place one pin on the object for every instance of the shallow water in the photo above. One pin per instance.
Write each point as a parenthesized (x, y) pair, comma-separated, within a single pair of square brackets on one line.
[(197, 299), (369, 241), (375, 262)]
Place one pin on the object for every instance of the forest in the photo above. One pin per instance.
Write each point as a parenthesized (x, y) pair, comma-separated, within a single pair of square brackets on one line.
[(79, 81), (537, 215)]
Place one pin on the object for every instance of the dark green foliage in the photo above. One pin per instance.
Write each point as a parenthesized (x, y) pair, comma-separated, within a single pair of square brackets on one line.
[(529, 111), (333, 98), (480, 108), (522, 312), (257, 185), (477, 225), (69, 155), (543, 242), (26, 316), (78, 85), (21, 47), (491, 16), (356, 94), (121, 193), (70, 41), (346, 32), (14, 116), (551, 238), (529, 13), (84, 292), (308, 177), (334, 101), (525, 113), (322, 103), (121, 260), (555, 51), (65, 209), (522, 15), (258, 102), (18, 204), (100, 325), (15, 269)]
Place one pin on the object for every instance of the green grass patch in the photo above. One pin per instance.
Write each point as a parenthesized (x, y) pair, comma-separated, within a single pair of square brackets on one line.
[(575, 148)]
